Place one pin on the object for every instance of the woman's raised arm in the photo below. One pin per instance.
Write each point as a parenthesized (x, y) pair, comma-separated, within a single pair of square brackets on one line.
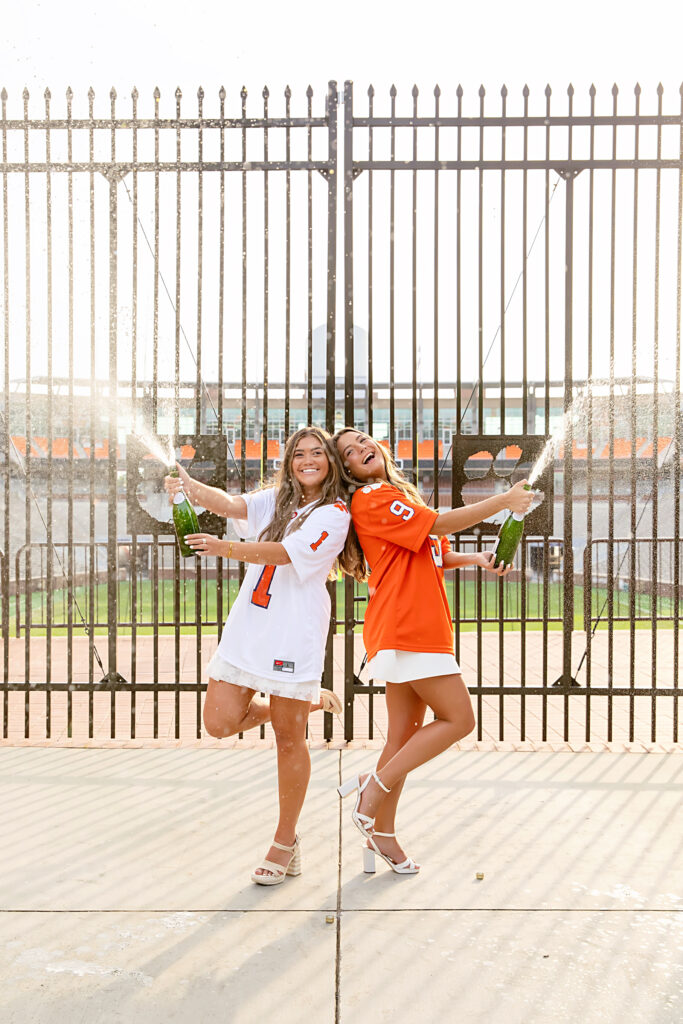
[(230, 506), (517, 499)]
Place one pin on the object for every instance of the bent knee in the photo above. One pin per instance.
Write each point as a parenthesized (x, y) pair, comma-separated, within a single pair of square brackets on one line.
[(468, 724), (217, 725), (461, 725)]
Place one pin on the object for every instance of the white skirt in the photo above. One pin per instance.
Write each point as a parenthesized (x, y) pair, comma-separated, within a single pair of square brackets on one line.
[(404, 666), (224, 672)]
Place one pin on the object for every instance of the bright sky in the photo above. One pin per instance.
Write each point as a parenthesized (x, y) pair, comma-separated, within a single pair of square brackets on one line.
[(168, 43)]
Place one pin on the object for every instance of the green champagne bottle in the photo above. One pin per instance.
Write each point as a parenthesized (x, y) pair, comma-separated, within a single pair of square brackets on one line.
[(184, 519), (509, 537)]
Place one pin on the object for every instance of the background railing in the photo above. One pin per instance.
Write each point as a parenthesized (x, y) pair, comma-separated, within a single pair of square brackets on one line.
[(169, 267)]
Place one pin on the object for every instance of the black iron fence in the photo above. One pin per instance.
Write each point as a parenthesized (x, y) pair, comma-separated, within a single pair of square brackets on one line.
[(507, 262)]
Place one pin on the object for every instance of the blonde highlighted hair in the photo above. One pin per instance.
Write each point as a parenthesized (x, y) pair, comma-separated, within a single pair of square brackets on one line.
[(394, 475)]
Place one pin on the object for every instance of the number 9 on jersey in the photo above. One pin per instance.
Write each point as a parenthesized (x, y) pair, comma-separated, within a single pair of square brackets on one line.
[(404, 512)]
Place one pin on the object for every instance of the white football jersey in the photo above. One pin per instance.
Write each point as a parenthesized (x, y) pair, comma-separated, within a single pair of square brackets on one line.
[(278, 625)]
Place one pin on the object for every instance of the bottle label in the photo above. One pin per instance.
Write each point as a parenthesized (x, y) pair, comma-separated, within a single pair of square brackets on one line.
[(517, 518), (179, 497)]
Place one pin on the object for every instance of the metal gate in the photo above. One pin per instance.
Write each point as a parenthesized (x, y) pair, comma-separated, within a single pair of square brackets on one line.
[(541, 249), (501, 267)]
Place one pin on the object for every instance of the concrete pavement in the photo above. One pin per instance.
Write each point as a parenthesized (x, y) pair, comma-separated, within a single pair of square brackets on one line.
[(125, 891)]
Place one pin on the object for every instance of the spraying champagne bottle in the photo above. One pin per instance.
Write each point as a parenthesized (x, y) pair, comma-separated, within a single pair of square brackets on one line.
[(509, 537), (184, 519)]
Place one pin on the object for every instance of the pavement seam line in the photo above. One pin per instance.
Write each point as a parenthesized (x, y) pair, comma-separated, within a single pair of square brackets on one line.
[(354, 910), (337, 963)]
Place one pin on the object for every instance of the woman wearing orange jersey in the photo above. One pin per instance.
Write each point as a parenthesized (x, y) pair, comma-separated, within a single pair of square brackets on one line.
[(408, 632)]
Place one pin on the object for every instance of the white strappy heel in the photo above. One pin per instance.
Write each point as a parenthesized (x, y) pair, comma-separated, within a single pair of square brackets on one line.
[(406, 867), (362, 822), (280, 870)]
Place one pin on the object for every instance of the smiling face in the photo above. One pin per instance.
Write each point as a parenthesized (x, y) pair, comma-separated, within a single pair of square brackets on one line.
[(362, 456), (310, 465)]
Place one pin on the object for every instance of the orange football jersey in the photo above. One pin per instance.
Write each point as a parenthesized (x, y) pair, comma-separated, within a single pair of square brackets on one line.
[(407, 607)]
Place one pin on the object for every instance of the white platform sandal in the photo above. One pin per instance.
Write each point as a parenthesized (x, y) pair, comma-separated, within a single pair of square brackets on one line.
[(406, 867), (362, 822), (330, 702), (280, 870)]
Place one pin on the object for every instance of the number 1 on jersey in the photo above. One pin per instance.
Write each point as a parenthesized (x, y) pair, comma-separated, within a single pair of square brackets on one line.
[(261, 595)]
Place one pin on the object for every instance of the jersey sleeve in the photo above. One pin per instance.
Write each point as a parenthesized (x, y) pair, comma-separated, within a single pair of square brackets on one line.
[(315, 545), (445, 545), (385, 512), (260, 511)]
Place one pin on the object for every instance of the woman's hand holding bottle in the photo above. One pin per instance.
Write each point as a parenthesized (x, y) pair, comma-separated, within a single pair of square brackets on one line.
[(180, 481), (486, 559), (519, 498)]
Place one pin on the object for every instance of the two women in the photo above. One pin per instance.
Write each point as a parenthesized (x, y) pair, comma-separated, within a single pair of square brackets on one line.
[(274, 638), (408, 632)]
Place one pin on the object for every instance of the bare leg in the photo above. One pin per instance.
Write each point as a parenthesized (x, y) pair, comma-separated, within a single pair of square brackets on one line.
[(406, 713), (230, 709), (289, 718), (447, 696)]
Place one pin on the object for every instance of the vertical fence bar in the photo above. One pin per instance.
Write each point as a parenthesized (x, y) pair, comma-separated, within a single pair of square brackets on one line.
[(91, 423), (568, 596), (50, 425), (435, 455), (546, 408), (331, 104), (134, 392), (503, 430), (199, 569), (413, 304), (392, 279), (28, 581), (243, 426), (112, 462), (309, 256), (176, 416), (527, 427), (221, 326), (480, 275), (288, 259), (349, 382), (113, 453), (677, 440), (611, 418), (457, 433), (371, 378), (480, 395), (6, 433), (655, 425), (155, 406), (588, 554), (634, 432)]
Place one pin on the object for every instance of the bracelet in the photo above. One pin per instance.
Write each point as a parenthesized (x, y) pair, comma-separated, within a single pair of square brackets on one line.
[(230, 548)]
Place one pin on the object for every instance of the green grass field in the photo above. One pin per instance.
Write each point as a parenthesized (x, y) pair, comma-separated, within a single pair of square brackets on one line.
[(474, 601)]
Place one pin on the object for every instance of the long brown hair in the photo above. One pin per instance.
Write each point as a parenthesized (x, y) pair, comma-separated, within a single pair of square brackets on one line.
[(289, 495), (394, 475)]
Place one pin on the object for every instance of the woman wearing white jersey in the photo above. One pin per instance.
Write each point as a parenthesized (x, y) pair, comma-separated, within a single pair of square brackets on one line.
[(274, 638)]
